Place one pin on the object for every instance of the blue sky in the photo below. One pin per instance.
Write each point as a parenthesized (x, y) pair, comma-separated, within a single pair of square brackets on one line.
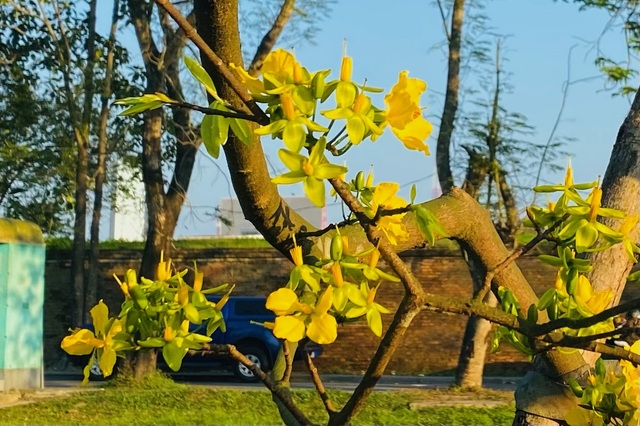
[(387, 37)]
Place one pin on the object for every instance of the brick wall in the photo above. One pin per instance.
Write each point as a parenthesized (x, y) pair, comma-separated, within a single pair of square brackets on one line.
[(431, 345)]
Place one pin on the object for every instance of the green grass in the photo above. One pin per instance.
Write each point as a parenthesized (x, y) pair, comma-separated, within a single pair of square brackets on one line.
[(161, 401), (204, 243)]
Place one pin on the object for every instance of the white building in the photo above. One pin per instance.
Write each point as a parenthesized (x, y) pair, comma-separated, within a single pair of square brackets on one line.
[(128, 218), (233, 223)]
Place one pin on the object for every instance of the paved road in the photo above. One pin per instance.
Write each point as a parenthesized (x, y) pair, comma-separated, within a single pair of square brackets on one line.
[(331, 381)]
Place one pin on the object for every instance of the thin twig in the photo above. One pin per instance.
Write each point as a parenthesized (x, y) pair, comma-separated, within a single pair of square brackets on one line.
[(591, 346), (515, 255), (589, 321), (223, 69), (211, 111), (288, 361), (317, 381), (409, 307), (330, 227)]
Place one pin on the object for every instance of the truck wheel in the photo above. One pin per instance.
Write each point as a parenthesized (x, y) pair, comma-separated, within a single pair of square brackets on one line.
[(258, 356)]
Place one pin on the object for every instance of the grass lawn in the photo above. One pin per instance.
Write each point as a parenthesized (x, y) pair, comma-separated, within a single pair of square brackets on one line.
[(161, 401)]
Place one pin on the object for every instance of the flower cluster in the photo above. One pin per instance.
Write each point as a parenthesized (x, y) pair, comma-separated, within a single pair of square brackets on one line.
[(318, 297), (293, 95), (156, 314), (609, 397)]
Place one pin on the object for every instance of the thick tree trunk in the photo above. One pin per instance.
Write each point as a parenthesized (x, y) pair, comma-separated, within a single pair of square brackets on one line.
[(141, 364), (79, 233), (443, 148), (100, 174), (621, 190), (217, 24)]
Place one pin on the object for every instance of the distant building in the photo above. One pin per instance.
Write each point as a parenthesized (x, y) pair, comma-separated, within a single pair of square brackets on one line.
[(128, 220), (232, 222)]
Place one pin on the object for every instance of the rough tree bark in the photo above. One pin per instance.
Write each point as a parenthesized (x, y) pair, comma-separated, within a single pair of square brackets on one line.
[(621, 190), (443, 148), (217, 24), (90, 297), (162, 74), (82, 130)]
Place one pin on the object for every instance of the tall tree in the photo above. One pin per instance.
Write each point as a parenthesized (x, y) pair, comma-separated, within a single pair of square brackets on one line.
[(90, 297), (165, 196)]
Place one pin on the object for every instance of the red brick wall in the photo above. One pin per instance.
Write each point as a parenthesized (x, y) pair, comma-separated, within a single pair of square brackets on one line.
[(431, 345)]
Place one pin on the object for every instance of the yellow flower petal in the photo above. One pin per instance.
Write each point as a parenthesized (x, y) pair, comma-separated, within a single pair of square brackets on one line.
[(100, 317), (81, 342), (107, 361), (414, 134), (323, 329), (254, 84), (282, 301), (289, 327), (325, 301)]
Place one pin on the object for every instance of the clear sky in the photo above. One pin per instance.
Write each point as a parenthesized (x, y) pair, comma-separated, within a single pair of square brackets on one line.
[(387, 37)]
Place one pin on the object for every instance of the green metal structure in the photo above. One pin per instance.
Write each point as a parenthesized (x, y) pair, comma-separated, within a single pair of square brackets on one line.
[(22, 262)]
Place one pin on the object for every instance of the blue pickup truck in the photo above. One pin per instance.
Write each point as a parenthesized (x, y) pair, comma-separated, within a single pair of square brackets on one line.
[(253, 340)]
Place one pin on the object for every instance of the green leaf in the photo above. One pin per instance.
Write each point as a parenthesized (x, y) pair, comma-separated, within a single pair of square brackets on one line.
[(152, 342), (551, 260), (242, 130), (173, 355), (586, 236), (214, 131), (216, 289), (548, 188), (135, 109), (214, 323), (547, 298), (191, 312), (202, 76), (412, 195)]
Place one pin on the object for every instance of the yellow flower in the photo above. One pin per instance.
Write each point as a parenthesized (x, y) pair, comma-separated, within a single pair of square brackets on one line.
[(404, 114), (359, 116), (280, 67), (384, 196), (295, 319), (588, 301), (364, 301), (164, 268), (84, 342)]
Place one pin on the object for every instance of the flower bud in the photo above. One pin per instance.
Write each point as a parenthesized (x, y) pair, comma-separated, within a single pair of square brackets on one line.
[(288, 108), (346, 68)]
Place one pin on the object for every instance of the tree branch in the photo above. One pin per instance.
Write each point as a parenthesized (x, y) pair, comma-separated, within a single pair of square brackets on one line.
[(589, 321), (228, 75), (317, 381), (516, 254), (211, 111), (270, 38)]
